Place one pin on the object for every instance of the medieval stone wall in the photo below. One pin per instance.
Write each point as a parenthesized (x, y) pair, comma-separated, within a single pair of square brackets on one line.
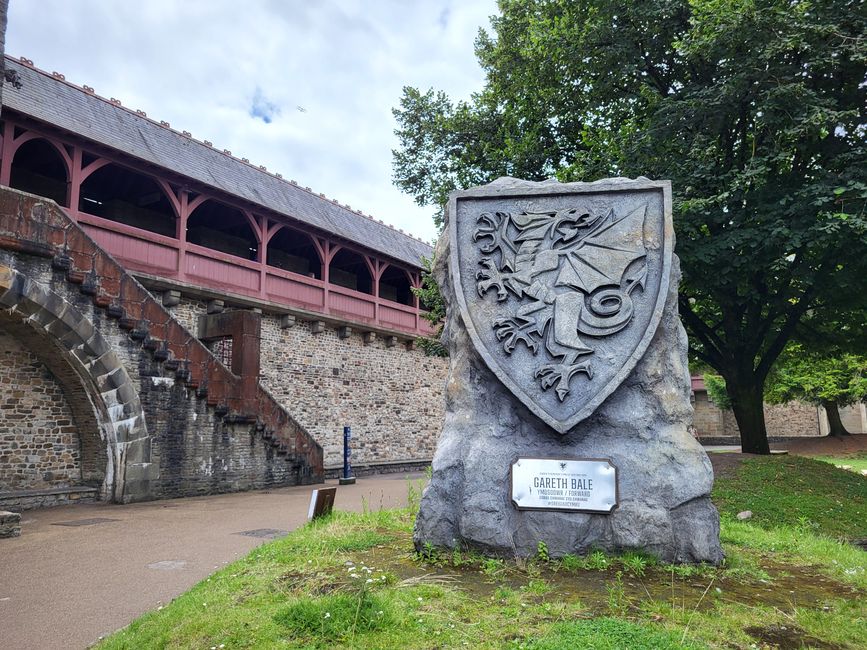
[(39, 439), (782, 420), (791, 419), (195, 447), (392, 397)]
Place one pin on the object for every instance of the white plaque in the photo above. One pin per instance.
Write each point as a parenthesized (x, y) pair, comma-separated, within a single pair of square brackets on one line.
[(581, 485)]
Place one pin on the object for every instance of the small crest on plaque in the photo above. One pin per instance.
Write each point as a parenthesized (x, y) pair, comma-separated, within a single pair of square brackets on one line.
[(562, 290)]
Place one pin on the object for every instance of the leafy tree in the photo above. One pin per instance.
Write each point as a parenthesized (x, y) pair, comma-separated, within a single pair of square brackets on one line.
[(755, 109), (823, 380)]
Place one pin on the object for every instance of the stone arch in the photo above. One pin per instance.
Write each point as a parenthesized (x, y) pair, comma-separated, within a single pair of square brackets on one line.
[(112, 395)]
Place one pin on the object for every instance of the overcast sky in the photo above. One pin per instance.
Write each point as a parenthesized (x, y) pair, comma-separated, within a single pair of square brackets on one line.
[(305, 88)]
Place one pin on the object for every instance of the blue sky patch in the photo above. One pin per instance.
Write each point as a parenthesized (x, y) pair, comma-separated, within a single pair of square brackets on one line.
[(262, 108)]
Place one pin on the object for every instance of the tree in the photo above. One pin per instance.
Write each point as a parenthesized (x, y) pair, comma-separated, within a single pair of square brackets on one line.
[(756, 111), (829, 381), (431, 300)]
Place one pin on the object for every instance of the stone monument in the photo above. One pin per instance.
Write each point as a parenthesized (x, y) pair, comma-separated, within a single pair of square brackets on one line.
[(567, 402)]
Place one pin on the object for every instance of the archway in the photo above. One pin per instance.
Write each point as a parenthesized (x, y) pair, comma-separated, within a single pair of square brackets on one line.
[(394, 285), (38, 168), (80, 353), (293, 250), (349, 270), (128, 197), (223, 228)]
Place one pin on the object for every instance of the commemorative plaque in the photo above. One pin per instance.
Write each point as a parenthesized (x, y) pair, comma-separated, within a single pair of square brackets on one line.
[(579, 485), (567, 403)]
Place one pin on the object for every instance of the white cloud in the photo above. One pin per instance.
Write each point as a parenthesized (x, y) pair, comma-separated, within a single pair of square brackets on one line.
[(219, 68)]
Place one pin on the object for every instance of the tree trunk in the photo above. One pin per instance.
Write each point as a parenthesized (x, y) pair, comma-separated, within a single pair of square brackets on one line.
[(748, 407), (835, 424)]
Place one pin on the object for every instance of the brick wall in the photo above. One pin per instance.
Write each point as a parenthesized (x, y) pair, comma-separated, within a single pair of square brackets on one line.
[(40, 441)]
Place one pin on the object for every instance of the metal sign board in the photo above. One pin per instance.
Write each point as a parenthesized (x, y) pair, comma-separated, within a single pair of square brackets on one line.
[(561, 288), (572, 484)]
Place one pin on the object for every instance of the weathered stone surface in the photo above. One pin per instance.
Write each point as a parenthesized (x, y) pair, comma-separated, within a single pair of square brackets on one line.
[(665, 477), (10, 524)]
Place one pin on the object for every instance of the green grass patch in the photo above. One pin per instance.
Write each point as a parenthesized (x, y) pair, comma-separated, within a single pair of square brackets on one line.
[(607, 634), (854, 462), (795, 491), (355, 581)]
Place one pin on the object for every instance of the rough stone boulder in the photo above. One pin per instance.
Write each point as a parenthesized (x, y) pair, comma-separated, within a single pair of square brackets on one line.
[(665, 477)]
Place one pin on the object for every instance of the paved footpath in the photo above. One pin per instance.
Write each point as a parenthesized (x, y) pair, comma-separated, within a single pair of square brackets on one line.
[(65, 586)]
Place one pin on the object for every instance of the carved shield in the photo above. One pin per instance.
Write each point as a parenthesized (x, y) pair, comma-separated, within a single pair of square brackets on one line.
[(562, 287)]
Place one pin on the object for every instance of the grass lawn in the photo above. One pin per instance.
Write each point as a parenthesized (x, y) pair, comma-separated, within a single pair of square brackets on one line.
[(857, 461), (353, 581)]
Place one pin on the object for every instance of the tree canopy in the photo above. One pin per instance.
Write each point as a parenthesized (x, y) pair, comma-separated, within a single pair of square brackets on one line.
[(756, 110)]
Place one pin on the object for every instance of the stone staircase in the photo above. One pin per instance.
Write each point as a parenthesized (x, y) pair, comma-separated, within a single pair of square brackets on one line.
[(34, 226)]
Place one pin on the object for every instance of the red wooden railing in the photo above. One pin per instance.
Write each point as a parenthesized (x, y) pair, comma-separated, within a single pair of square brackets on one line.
[(175, 259)]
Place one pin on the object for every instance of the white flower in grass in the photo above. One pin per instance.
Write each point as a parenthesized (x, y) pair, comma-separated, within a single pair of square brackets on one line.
[(327, 614)]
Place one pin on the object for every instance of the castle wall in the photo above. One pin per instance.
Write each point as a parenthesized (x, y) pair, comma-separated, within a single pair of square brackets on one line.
[(39, 438), (391, 396)]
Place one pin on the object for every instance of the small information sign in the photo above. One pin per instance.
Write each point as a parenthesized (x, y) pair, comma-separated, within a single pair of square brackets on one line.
[(574, 484), (321, 502)]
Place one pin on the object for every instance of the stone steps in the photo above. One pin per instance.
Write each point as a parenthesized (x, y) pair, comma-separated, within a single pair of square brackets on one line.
[(175, 351)]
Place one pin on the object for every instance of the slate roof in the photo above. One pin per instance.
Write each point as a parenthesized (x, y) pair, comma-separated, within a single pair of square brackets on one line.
[(51, 99)]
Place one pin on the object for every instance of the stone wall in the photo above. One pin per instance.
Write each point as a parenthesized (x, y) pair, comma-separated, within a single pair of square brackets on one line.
[(794, 419), (391, 396), (791, 419), (155, 413), (39, 440)]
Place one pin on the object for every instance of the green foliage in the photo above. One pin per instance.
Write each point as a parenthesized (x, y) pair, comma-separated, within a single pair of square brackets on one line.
[(432, 301), (492, 566), (817, 378), (716, 391), (635, 563), (617, 601), (336, 617), (597, 561), (608, 634), (753, 108), (571, 562), (542, 552)]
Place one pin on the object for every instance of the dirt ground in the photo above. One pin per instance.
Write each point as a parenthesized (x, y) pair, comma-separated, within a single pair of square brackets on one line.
[(826, 446)]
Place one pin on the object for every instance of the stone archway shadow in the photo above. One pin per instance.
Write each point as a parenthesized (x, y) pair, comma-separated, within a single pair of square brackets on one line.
[(105, 380)]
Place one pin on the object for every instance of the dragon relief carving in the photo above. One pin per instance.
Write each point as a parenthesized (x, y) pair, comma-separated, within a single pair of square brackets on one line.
[(570, 273)]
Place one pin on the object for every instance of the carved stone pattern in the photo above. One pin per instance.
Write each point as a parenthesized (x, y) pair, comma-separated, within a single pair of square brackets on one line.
[(570, 274)]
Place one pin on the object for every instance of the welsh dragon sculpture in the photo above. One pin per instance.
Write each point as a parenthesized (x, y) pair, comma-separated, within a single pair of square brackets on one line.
[(572, 272)]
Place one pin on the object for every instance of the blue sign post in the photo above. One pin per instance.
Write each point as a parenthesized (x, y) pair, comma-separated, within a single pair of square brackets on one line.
[(347, 478)]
